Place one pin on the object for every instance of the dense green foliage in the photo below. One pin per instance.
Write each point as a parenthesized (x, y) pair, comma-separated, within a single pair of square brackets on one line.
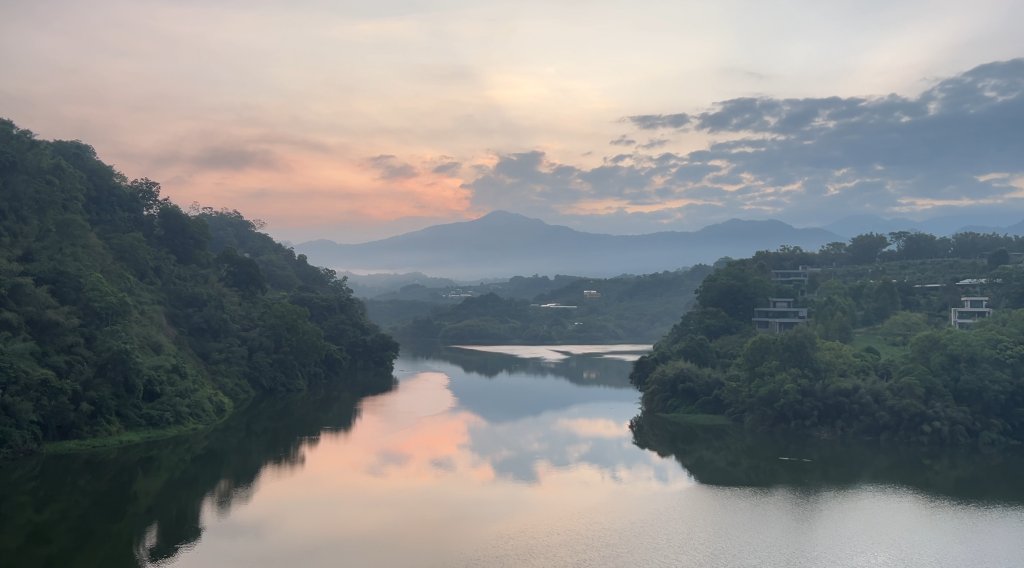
[(937, 386), (119, 311), (866, 249), (630, 309)]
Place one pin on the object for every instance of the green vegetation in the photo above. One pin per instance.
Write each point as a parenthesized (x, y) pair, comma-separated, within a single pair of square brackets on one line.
[(629, 309), (878, 360), (119, 312)]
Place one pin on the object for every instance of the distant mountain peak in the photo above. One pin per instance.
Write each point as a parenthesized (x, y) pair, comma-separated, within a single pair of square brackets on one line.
[(502, 216)]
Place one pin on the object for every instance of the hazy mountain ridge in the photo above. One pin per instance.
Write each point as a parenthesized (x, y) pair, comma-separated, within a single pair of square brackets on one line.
[(506, 244)]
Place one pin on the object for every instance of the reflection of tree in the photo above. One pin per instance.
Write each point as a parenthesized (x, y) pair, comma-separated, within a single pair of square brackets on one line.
[(731, 456), (141, 504), (584, 370)]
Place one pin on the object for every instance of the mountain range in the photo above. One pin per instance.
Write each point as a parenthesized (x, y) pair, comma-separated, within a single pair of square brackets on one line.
[(503, 244), (506, 244)]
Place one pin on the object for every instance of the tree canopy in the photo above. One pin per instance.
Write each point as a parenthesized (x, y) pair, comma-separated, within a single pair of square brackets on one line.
[(939, 386), (120, 311)]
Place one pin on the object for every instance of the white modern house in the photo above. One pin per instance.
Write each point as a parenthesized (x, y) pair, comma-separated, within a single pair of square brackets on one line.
[(974, 308), (780, 315)]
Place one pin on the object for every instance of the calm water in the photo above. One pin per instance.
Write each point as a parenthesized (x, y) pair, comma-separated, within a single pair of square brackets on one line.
[(483, 458)]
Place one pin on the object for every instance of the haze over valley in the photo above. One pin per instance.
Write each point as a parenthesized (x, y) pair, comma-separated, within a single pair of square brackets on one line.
[(502, 244)]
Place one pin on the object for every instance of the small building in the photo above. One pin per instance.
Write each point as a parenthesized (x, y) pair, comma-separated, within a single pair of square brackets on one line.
[(780, 315), (974, 308), (553, 306), (458, 294), (591, 294)]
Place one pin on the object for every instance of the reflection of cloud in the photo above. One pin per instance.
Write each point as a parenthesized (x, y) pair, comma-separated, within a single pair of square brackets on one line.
[(593, 427), (579, 439), (418, 469)]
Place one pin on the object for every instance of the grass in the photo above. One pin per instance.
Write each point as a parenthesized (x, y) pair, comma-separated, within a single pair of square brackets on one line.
[(122, 439), (869, 337)]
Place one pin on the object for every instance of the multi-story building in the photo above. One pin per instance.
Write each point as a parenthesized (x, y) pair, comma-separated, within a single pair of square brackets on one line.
[(974, 308), (780, 315)]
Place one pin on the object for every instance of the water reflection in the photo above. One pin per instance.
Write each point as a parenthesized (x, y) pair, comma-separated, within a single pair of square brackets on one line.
[(484, 459), (728, 456), (141, 504), (585, 369)]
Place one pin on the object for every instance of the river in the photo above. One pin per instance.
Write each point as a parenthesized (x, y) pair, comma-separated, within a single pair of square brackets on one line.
[(517, 457)]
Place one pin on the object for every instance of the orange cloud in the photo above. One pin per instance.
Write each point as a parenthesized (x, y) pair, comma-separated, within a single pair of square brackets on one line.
[(296, 187)]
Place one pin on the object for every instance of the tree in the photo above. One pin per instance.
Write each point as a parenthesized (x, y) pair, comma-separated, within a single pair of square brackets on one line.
[(998, 258), (735, 290), (915, 245), (902, 326), (147, 193), (864, 249), (834, 313), (183, 236), (833, 253), (240, 272), (881, 300)]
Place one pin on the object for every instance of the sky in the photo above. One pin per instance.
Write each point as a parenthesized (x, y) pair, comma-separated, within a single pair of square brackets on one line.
[(357, 120)]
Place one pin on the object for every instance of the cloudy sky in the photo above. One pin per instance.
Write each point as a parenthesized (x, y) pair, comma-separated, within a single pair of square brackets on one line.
[(355, 120)]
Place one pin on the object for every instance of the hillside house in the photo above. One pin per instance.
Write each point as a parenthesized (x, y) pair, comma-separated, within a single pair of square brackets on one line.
[(780, 315), (974, 308)]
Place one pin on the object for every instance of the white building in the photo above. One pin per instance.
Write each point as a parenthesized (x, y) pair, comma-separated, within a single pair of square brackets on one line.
[(974, 308)]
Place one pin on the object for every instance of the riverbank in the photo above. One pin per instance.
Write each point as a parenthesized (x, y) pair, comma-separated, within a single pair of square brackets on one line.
[(128, 438)]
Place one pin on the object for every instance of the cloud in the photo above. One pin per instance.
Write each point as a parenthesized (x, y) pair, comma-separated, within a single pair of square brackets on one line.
[(389, 167), (657, 121), (804, 160), (623, 141), (654, 143), (447, 168), (234, 158)]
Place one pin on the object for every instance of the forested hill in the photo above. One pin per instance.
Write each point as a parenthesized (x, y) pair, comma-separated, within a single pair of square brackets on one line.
[(877, 358), (121, 312)]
